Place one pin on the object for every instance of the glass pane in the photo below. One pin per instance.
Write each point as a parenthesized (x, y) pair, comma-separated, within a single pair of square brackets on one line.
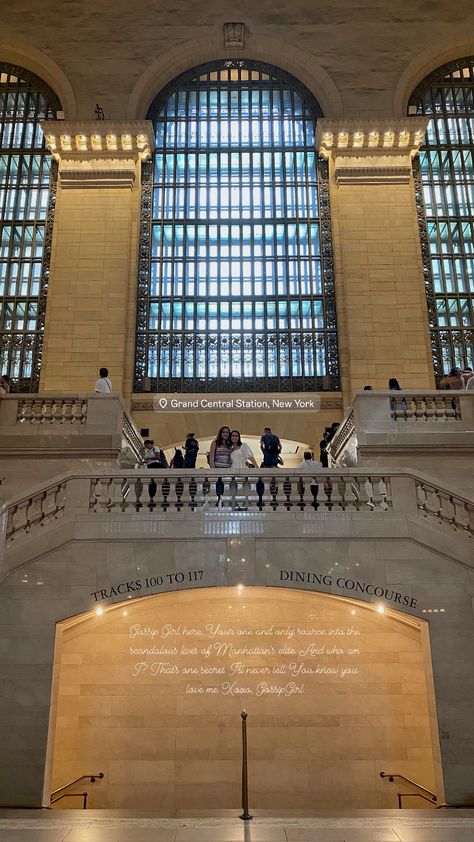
[(243, 269)]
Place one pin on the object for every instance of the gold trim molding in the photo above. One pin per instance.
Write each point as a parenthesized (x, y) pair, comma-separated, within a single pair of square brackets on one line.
[(371, 151), (101, 153)]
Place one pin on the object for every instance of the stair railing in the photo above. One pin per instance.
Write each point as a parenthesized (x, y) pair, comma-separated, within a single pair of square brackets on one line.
[(83, 795), (429, 795)]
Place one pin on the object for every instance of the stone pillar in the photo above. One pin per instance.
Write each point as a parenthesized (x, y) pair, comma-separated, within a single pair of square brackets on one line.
[(91, 297), (381, 304)]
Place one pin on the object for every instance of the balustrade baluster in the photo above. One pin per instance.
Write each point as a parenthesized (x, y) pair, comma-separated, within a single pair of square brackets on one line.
[(274, 492), (410, 408), (369, 491), (56, 412), (48, 411), (433, 501), (192, 490), (440, 411), (67, 410), (447, 508), (137, 488), (76, 412), (18, 519), (287, 488), (351, 494), (430, 408), (260, 489), (421, 496), (37, 412), (328, 492), (25, 411), (420, 407), (120, 489), (173, 496), (383, 490), (450, 407), (102, 494)]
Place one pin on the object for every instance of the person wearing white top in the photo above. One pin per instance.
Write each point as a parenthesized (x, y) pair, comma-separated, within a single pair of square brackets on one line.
[(470, 384), (103, 385), (309, 464), (241, 455)]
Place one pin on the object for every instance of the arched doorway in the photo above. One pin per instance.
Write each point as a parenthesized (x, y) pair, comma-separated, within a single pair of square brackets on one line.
[(150, 692)]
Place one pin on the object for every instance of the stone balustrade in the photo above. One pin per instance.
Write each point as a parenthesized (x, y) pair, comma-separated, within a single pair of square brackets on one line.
[(432, 431), (73, 422), (178, 495)]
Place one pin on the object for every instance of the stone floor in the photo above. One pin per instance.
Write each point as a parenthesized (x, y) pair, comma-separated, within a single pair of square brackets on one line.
[(125, 826)]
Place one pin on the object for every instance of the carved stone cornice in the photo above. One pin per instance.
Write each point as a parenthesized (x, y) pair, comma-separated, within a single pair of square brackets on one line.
[(371, 151), (101, 153)]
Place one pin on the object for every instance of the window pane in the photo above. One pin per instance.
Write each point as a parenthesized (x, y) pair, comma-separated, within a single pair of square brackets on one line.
[(235, 254), (446, 172), (25, 175)]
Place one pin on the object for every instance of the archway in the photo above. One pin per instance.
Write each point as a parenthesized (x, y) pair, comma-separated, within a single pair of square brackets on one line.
[(150, 692)]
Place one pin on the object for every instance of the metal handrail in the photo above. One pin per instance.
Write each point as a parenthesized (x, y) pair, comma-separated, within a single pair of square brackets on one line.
[(82, 795), (401, 795), (91, 778), (392, 775)]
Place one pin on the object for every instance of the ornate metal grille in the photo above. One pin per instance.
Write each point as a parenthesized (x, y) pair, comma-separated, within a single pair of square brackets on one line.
[(27, 196), (444, 186), (236, 289)]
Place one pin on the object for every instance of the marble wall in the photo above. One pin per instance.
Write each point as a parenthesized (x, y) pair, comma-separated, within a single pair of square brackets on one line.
[(150, 692)]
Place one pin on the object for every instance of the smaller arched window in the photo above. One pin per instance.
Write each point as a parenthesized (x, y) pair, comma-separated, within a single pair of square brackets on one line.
[(444, 180), (27, 190)]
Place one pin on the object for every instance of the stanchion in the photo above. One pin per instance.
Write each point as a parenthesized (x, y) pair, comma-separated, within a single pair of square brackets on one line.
[(245, 782)]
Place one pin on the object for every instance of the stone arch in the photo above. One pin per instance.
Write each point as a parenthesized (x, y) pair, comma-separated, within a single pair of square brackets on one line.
[(172, 649), (37, 62), (421, 66), (193, 53)]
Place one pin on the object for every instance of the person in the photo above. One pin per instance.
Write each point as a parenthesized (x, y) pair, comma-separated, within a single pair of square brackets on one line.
[(470, 384), (191, 448), (219, 453), (177, 460), (5, 385), (467, 375), (323, 454), (454, 379), (103, 385), (241, 454), (308, 463), (271, 448), (154, 456), (394, 385)]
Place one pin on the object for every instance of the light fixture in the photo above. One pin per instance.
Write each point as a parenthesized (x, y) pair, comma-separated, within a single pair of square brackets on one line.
[(380, 609), (99, 611)]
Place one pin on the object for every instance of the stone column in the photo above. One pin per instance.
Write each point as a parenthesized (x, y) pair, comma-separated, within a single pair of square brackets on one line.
[(381, 304), (90, 308)]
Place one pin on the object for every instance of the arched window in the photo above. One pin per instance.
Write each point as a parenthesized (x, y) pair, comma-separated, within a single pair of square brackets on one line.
[(236, 285), (27, 189), (444, 180)]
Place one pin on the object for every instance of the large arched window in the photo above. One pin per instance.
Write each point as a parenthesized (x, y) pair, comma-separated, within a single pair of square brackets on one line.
[(27, 188), (236, 285), (445, 193)]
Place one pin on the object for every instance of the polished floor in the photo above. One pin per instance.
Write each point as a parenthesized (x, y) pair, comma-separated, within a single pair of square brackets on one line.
[(123, 826)]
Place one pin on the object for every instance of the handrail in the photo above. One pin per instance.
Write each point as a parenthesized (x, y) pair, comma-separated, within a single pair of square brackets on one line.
[(392, 775), (245, 780), (82, 795), (401, 795), (91, 778)]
